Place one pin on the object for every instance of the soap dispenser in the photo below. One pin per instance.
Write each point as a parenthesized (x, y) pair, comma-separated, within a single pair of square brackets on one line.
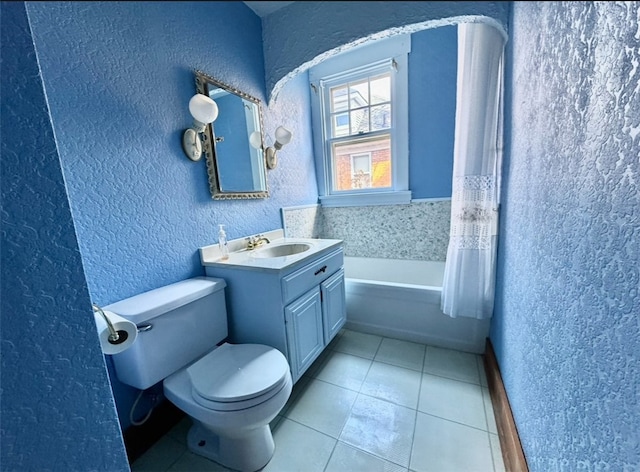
[(222, 244)]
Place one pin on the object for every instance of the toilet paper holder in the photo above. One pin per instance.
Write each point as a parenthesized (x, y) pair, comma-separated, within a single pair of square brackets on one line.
[(115, 337)]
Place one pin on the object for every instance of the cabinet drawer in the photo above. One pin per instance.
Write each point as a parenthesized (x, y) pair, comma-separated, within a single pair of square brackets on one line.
[(298, 282)]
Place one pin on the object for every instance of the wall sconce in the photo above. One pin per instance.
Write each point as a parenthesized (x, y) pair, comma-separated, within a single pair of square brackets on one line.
[(204, 111), (283, 136)]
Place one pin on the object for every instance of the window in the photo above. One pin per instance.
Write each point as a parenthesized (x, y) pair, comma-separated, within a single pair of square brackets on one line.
[(360, 122)]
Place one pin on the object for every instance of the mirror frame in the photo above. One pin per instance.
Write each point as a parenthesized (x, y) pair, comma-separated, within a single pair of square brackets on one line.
[(203, 81)]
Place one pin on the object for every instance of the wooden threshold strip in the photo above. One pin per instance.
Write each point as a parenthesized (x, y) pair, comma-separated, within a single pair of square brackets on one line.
[(512, 453)]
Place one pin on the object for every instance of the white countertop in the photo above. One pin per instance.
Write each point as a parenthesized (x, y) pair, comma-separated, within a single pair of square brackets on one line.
[(241, 258)]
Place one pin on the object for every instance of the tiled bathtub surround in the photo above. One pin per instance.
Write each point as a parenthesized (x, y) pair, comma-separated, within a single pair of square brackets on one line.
[(302, 221), (419, 230)]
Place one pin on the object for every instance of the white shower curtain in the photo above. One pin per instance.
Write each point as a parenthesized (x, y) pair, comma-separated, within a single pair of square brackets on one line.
[(469, 276)]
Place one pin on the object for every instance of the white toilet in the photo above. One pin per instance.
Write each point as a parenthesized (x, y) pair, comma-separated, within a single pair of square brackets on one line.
[(230, 391)]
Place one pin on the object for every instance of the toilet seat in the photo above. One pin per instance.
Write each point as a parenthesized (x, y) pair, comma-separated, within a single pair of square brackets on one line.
[(237, 376)]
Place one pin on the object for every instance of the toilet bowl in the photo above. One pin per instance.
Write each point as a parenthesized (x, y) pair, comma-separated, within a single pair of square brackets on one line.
[(230, 391), (232, 408)]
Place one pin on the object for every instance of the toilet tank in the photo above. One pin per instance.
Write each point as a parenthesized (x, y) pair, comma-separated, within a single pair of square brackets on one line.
[(177, 324)]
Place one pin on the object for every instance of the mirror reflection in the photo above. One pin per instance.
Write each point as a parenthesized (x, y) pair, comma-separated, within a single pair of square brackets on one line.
[(234, 142)]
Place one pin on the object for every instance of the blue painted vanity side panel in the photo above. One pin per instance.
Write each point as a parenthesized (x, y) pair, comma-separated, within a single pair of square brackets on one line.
[(57, 409), (432, 111), (566, 326), (118, 78), (254, 306)]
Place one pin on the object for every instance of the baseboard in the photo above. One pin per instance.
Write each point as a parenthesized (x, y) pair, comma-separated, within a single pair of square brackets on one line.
[(512, 453)]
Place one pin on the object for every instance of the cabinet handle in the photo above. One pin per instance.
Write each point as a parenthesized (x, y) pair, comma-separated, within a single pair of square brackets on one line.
[(321, 269)]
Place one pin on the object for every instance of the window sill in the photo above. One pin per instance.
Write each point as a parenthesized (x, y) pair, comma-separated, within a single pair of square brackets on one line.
[(367, 199)]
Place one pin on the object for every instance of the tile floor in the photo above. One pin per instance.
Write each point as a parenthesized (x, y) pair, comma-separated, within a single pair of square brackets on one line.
[(371, 403)]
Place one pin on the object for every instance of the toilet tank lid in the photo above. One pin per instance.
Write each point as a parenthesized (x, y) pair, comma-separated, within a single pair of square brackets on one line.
[(148, 305)]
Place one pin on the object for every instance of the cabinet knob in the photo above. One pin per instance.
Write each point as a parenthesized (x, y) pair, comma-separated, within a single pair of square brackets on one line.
[(320, 270)]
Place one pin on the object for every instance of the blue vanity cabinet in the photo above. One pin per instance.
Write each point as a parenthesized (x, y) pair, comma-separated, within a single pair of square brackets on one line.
[(334, 306), (298, 309), (305, 336), (319, 283)]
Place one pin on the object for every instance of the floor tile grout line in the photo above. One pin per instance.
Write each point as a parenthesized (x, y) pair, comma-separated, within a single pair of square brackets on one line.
[(335, 385), (369, 369), (486, 415), (347, 416), (315, 429), (396, 365), (359, 392), (451, 378), (409, 342), (324, 469), (453, 421), (342, 386), (415, 421), (493, 459), (186, 450), (376, 455), (493, 453)]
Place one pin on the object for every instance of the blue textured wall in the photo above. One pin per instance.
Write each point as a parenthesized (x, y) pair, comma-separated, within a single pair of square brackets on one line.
[(119, 76), (433, 66), (302, 31), (119, 79), (57, 408), (567, 324)]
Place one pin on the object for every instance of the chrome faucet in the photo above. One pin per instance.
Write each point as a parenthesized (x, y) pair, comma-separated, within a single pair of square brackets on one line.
[(256, 241)]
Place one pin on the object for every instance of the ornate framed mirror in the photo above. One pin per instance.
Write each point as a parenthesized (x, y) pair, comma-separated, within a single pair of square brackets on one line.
[(235, 167)]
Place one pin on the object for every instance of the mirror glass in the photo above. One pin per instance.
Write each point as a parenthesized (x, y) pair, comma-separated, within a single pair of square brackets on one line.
[(236, 168)]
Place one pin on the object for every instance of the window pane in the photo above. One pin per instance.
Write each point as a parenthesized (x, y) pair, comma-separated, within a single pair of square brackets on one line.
[(340, 125), (359, 94), (380, 89), (361, 163), (379, 175), (339, 99), (360, 121), (361, 170), (381, 117)]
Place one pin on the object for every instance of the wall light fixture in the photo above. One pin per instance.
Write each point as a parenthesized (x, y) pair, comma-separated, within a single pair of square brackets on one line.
[(283, 136), (204, 111)]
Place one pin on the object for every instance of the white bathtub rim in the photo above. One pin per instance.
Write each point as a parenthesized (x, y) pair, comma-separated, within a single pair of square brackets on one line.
[(393, 284), (408, 311), (414, 272)]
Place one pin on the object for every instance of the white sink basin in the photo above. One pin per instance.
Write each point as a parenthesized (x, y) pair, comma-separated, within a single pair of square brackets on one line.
[(281, 250)]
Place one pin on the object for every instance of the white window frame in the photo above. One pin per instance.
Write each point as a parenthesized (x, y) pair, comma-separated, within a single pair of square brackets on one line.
[(394, 52)]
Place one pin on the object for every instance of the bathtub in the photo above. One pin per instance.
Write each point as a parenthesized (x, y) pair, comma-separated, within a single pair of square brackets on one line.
[(401, 299)]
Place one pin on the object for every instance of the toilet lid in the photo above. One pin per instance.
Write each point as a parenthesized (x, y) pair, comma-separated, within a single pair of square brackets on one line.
[(237, 372)]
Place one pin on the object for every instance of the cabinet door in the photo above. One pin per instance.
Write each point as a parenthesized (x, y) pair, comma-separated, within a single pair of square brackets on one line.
[(334, 306), (304, 331)]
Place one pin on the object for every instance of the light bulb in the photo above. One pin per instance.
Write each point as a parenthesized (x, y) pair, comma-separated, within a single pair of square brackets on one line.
[(255, 139), (283, 135), (203, 108)]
